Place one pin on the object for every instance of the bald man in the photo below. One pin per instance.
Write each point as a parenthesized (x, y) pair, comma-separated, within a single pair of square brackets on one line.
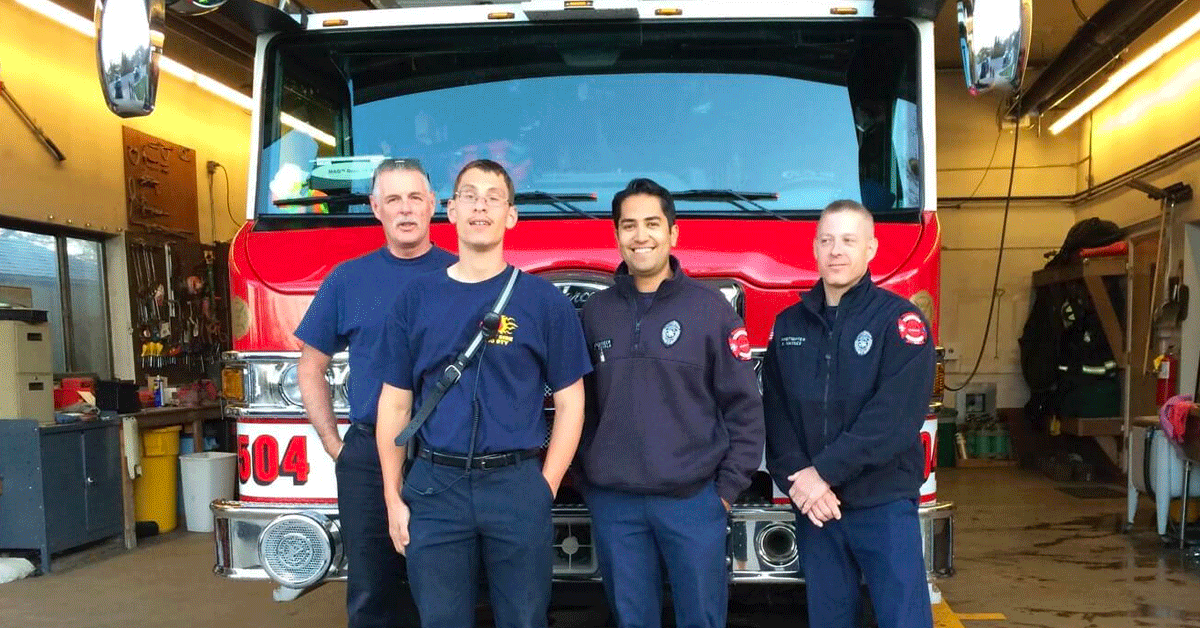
[(846, 384)]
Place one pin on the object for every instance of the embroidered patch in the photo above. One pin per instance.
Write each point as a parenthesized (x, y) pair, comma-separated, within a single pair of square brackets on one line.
[(504, 335), (862, 344), (670, 333), (912, 329), (739, 344), (791, 341)]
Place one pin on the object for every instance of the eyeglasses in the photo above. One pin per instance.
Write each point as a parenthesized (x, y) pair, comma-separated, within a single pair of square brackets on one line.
[(471, 199)]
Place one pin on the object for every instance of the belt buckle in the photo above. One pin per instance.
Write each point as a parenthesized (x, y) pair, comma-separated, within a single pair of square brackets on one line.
[(484, 463)]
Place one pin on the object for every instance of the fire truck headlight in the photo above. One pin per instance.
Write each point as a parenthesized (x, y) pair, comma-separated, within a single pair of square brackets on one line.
[(297, 549), (289, 385)]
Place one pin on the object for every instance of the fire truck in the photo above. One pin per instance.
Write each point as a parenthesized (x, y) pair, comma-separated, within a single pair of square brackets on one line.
[(754, 113)]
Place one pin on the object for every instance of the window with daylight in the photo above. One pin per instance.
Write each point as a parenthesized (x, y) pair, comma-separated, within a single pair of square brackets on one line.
[(66, 274)]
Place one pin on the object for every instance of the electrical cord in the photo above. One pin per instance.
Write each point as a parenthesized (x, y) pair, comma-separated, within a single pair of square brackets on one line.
[(228, 205), (1012, 172)]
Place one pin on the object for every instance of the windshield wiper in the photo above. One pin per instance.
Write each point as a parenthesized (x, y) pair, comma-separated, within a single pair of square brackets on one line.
[(561, 202), (733, 198), (347, 198)]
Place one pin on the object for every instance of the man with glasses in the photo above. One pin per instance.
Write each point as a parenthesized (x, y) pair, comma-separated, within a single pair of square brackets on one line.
[(348, 312), (478, 490)]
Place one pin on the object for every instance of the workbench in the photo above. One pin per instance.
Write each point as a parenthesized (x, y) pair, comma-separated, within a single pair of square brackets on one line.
[(152, 418)]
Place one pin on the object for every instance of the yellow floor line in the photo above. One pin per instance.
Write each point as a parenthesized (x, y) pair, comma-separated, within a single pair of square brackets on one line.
[(945, 617)]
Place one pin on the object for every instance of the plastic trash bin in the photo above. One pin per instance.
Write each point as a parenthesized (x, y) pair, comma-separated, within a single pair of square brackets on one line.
[(207, 475), (154, 490)]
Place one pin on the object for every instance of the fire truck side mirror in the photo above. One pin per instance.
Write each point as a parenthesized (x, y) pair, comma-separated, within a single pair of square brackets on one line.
[(994, 38), (129, 39)]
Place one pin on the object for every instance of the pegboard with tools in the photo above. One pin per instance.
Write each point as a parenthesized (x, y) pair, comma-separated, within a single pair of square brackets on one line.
[(179, 307)]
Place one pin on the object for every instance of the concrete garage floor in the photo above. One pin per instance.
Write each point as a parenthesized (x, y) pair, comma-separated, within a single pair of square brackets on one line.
[(1027, 551)]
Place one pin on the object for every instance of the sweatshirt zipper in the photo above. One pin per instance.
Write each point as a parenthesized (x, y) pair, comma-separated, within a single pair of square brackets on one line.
[(828, 377)]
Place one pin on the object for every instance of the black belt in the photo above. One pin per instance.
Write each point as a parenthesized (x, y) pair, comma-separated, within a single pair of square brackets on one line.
[(366, 428), (482, 461)]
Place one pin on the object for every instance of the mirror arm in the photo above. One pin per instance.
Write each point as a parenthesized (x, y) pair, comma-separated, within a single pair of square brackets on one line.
[(29, 122)]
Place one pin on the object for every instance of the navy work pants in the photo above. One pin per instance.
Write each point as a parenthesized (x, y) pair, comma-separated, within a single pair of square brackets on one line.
[(458, 518), (636, 533), (879, 545), (376, 596)]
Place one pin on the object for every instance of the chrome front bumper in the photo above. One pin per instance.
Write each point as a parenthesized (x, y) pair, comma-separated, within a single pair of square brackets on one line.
[(762, 547)]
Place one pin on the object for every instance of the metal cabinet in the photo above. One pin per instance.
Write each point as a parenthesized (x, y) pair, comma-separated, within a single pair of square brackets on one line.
[(60, 486)]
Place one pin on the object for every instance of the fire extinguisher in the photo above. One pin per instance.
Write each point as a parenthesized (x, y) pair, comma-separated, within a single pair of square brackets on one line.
[(1168, 376)]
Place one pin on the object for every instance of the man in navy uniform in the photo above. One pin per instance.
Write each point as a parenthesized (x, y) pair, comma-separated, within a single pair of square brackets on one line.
[(477, 489), (675, 424), (348, 312), (846, 385)]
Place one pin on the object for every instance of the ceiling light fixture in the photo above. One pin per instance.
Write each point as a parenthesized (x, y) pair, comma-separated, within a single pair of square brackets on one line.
[(1127, 72), (84, 27)]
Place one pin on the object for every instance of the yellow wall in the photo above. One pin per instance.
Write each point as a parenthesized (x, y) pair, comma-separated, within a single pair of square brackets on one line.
[(967, 133), (51, 71)]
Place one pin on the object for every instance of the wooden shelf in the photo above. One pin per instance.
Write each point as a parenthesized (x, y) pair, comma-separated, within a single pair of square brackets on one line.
[(1089, 267), (1093, 271), (1104, 426)]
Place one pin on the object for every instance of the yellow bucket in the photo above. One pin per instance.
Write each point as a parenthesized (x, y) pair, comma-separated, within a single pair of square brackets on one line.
[(154, 490)]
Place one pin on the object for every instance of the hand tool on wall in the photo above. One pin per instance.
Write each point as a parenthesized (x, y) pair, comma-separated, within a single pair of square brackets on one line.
[(29, 122)]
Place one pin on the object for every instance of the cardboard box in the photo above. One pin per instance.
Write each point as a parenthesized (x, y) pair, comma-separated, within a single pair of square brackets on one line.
[(16, 296)]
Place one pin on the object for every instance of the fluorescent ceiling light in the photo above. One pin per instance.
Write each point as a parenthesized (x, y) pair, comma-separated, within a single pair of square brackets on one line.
[(1128, 71), (84, 26)]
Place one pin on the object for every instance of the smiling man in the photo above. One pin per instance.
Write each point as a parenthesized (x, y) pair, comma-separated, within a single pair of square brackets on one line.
[(348, 312), (674, 428), (478, 488), (846, 384)]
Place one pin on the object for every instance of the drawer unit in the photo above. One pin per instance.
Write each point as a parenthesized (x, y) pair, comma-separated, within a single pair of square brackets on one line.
[(25, 347)]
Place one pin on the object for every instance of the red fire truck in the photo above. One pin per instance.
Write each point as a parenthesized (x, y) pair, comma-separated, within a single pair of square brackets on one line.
[(754, 113)]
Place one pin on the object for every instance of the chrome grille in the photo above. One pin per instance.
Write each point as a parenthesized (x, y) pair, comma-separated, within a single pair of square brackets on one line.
[(574, 547), (297, 550)]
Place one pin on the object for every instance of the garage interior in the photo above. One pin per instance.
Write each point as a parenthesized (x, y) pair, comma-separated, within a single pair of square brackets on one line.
[(1043, 498)]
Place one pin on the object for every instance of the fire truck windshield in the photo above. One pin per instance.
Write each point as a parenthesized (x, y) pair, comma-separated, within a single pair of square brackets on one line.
[(752, 120)]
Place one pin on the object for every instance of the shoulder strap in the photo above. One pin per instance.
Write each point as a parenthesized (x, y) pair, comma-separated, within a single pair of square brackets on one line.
[(488, 328)]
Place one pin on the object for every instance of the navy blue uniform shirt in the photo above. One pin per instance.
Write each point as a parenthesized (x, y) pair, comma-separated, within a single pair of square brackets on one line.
[(848, 394), (540, 344), (348, 312)]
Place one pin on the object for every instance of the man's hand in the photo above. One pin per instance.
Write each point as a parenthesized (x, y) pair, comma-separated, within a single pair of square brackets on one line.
[(725, 504), (398, 524), (333, 446), (824, 509), (553, 485), (809, 491)]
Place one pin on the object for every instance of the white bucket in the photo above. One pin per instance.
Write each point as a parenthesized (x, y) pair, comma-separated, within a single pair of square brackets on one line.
[(206, 476)]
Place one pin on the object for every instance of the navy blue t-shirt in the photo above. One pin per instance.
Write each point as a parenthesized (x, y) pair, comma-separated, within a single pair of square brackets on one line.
[(540, 344), (349, 310)]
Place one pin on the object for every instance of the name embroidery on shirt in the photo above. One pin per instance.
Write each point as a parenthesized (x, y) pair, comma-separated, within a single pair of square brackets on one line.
[(791, 341)]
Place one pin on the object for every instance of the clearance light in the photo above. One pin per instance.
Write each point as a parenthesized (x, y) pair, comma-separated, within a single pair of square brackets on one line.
[(843, 11), (668, 11), (1130, 70), (85, 27), (337, 22)]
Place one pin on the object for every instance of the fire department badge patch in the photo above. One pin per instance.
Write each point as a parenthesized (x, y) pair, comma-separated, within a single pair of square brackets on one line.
[(670, 333), (912, 329), (739, 344), (862, 344)]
